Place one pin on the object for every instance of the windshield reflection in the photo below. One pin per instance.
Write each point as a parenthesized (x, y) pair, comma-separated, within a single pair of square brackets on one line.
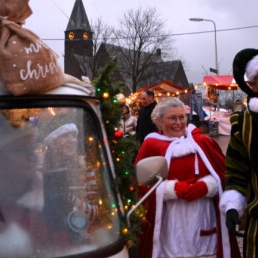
[(55, 193)]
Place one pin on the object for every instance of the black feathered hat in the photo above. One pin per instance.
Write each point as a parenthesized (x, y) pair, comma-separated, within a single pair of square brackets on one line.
[(246, 63)]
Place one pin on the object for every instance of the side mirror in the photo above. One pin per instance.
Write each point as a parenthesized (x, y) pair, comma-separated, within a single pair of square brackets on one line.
[(147, 170)]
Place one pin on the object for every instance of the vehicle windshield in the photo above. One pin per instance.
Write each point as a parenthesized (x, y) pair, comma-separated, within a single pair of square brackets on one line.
[(55, 189)]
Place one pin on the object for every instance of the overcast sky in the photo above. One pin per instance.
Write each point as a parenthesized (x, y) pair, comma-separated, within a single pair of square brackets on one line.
[(236, 22)]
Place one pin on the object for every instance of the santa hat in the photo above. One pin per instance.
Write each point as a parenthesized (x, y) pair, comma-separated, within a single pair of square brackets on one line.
[(246, 63), (64, 129)]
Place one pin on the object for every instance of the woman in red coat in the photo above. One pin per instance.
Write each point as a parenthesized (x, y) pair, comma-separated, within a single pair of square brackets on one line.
[(183, 218)]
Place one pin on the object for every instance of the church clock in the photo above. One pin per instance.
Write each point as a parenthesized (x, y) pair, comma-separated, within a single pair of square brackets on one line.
[(71, 35), (85, 35), (78, 42)]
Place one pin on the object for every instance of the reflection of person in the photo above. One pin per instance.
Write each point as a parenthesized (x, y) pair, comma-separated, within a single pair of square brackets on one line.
[(66, 169), (128, 122), (17, 231), (183, 212), (144, 123), (241, 157), (62, 146)]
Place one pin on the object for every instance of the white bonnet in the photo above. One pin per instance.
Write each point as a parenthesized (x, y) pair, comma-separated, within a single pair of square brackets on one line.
[(252, 68), (64, 129)]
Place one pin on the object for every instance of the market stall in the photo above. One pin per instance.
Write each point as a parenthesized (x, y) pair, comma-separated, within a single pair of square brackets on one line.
[(219, 117), (220, 82), (164, 89)]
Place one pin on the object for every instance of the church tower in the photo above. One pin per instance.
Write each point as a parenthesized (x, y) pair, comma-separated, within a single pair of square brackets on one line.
[(78, 43)]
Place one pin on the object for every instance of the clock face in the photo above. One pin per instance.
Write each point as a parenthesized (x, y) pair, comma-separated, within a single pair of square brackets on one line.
[(85, 35), (71, 35)]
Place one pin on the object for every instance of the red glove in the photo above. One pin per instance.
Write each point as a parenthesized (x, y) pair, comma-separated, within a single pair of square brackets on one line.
[(182, 187), (196, 191)]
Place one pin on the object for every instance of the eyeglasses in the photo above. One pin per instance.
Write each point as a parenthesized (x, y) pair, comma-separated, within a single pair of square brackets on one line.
[(173, 119)]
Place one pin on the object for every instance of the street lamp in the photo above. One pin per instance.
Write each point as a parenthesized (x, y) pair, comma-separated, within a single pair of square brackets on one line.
[(215, 33)]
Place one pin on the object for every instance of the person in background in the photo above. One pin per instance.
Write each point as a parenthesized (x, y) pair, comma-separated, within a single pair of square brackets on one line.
[(241, 190), (128, 122), (144, 122), (182, 214), (238, 105)]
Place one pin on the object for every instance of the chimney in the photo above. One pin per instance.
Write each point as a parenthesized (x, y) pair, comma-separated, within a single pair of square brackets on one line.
[(158, 52)]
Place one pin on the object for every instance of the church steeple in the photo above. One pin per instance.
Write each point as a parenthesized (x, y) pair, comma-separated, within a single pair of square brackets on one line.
[(78, 41), (78, 19)]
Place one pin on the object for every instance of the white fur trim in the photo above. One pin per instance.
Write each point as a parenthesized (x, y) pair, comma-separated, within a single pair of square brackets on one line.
[(212, 185), (182, 148), (15, 242), (169, 190), (252, 68), (64, 129), (224, 230), (253, 104), (232, 199), (158, 219)]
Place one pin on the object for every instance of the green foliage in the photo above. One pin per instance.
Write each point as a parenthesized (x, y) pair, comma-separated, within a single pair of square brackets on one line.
[(122, 148), (107, 90)]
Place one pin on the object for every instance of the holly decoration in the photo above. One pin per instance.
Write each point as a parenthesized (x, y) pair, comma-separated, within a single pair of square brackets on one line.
[(122, 148)]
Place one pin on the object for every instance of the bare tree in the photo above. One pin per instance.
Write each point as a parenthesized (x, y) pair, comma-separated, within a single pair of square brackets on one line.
[(142, 43), (102, 33)]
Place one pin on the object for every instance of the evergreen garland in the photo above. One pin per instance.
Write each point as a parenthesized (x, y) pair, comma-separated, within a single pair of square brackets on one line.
[(122, 148)]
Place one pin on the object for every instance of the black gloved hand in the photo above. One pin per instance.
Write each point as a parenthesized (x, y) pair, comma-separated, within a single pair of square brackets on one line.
[(232, 219)]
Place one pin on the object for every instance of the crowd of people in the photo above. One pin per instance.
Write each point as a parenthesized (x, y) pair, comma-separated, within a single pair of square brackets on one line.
[(140, 125)]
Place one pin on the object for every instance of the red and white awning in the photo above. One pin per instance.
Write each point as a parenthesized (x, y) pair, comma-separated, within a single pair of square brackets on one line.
[(220, 82)]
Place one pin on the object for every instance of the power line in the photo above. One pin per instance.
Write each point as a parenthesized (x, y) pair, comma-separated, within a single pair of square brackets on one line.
[(62, 11), (190, 33), (208, 31)]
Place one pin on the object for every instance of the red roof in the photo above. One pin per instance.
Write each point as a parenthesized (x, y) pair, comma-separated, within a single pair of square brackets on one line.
[(165, 87), (220, 82)]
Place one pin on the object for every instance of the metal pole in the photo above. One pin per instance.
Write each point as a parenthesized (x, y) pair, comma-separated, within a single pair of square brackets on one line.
[(216, 48), (215, 35)]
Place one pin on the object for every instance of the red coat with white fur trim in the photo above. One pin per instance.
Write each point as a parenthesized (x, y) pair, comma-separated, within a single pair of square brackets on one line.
[(181, 169)]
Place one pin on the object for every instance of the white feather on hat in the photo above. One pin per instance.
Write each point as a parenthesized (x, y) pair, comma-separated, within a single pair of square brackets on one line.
[(64, 129), (252, 68)]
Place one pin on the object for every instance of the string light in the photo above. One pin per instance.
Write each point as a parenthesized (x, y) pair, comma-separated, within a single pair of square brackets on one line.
[(105, 95), (125, 231)]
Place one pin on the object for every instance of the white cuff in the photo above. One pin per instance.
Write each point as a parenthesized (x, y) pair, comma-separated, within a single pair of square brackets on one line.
[(169, 190), (232, 199), (211, 184)]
